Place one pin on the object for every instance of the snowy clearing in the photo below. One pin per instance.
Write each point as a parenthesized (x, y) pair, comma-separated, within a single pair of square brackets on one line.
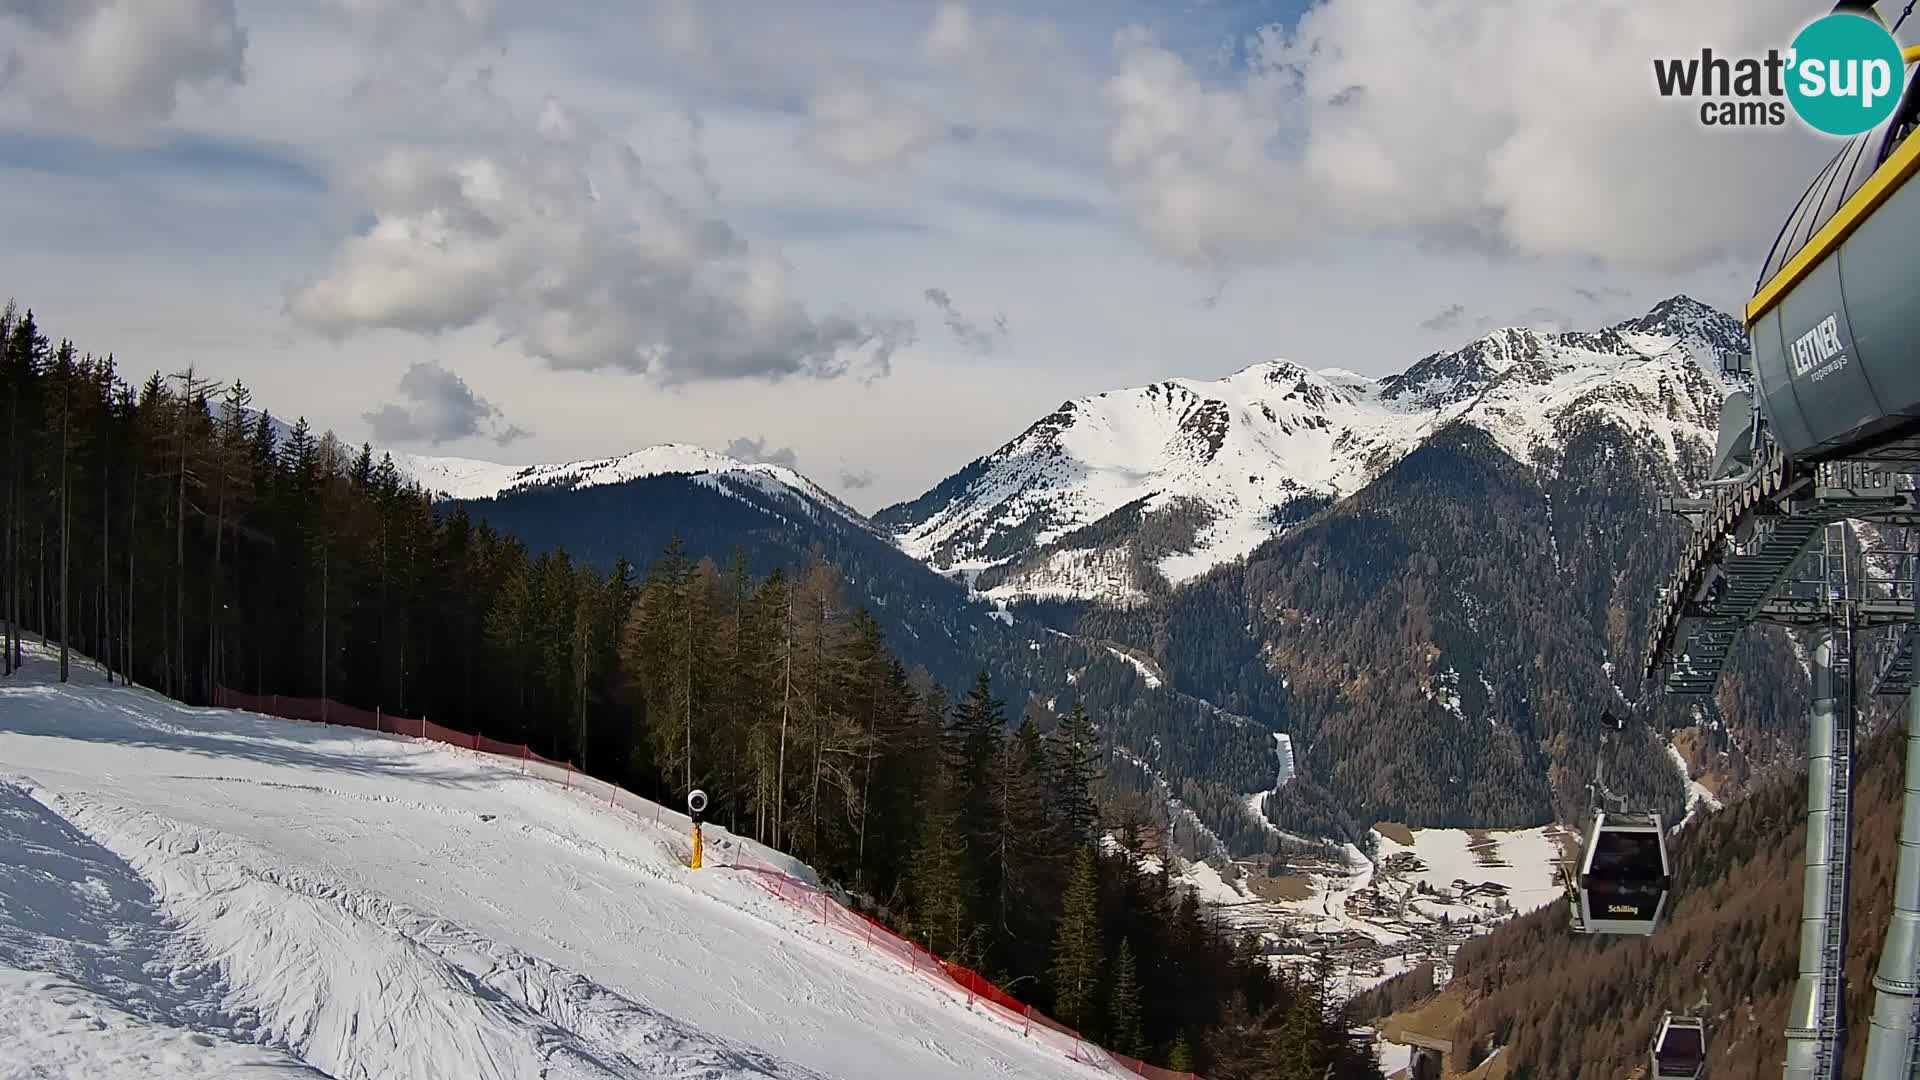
[(194, 892), (1523, 860), (1698, 794)]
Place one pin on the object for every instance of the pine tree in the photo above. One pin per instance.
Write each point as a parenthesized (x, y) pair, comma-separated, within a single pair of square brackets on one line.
[(1180, 1058), (1076, 947), (1075, 767), (941, 881), (1123, 1008)]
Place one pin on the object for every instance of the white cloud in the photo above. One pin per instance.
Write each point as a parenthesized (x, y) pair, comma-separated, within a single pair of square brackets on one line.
[(438, 406), (858, 129), (118, 66), (756, 451), (554, 233), (1525, 126), (447, 26)]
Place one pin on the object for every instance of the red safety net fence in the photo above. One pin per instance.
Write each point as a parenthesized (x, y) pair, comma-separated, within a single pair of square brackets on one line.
[(962, 982), (818, 904)]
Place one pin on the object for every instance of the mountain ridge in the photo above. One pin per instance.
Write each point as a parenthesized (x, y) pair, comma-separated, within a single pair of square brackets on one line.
[(1223, 463)]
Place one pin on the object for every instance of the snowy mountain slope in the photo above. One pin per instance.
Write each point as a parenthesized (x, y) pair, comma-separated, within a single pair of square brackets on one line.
[(467, 479), (1100, 497), (204, 893)]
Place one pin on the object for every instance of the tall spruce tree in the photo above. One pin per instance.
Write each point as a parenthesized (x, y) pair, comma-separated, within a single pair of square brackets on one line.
[(1123, 1003), (1076, 947)]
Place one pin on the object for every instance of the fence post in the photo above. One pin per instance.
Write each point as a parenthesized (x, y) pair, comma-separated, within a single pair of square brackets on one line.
[(1026, 1018), (376, 719), (823, 908), (523, 758)]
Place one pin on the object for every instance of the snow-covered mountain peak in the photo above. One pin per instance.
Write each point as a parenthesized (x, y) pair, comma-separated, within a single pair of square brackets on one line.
[(466, 478), (1208, 469)]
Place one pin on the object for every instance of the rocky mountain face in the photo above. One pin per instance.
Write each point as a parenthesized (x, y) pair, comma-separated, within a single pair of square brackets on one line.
[(1117, 497)]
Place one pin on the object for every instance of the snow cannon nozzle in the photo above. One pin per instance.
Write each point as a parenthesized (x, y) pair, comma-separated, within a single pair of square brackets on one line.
[(696, 803)]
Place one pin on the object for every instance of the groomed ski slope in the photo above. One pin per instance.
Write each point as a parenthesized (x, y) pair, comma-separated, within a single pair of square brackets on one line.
[(202, 893)]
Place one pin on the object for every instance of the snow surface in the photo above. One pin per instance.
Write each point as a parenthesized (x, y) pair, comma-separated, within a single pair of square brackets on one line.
[(1698, 794), (1283, 749), (194, 892), (1146, 673), (1394, 1057), (1242, 446)]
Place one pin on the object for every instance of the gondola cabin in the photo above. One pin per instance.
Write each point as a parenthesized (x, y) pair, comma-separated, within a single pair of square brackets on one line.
[(1679, 1050), (1624, 876), (1834, 322)]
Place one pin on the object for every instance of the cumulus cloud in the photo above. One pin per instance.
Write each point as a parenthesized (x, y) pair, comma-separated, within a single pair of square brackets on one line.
[(1455, 317), (855, 479), (116, 66), (446, 26), (976, 336), (756, 451), (860, 130), (1528, 127), (438, 406), (553, 233)]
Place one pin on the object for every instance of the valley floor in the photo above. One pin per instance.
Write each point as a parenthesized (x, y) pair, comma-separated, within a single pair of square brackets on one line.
[(201, 893)]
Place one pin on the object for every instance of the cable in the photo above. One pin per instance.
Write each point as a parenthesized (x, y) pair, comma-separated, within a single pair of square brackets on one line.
[(1903, 16)]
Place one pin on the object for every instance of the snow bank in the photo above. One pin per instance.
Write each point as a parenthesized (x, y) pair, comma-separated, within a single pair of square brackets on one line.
[(60, 1028)]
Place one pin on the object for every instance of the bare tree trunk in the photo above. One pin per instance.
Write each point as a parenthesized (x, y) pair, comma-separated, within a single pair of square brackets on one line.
[(9, 588), (126, 643), (786, 700), (40, 592), (325, 596), (213, 580), (819, 728), (866, 787), (105, 616), (179, 648), (66, 531)]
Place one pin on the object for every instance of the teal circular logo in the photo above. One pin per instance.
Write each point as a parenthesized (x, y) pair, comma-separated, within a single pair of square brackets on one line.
[(1845, 74)]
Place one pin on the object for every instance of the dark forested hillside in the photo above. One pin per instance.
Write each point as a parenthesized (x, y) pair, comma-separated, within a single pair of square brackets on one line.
[(176, 539), (926, 616), (1571, 1008)]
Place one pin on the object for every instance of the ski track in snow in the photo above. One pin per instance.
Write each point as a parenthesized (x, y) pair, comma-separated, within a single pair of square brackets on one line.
[(194, 893)]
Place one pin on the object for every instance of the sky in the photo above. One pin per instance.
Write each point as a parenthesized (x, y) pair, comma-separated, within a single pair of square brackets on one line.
[(870, 239)]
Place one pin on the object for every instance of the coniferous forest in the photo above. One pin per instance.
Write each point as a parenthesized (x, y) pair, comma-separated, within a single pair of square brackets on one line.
[(167, 532)]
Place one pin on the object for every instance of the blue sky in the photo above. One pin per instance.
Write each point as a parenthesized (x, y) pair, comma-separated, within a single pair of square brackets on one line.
[(542, 231)]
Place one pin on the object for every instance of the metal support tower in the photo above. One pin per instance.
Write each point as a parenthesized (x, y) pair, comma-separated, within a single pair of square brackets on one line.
[(1816, 1020), (1893, 1043)]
